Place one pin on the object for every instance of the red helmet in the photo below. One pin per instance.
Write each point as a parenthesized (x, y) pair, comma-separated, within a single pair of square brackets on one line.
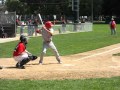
[(48, 24)]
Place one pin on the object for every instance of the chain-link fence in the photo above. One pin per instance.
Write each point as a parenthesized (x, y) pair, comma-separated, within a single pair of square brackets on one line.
[(7, 24), (69, 28)]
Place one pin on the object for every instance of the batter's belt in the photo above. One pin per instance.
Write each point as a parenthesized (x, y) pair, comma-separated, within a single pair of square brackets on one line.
[(47, 41)]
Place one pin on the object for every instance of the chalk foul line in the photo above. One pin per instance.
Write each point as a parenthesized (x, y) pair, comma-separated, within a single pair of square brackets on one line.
[(97, 54)]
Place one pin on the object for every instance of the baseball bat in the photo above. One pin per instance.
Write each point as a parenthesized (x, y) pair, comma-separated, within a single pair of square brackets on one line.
[(40, 18)]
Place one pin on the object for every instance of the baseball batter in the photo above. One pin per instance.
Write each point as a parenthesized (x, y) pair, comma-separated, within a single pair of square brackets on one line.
[(47, 32)]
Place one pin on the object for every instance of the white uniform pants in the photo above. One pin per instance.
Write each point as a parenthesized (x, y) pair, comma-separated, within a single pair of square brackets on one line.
[(21, 57), (51, 45)]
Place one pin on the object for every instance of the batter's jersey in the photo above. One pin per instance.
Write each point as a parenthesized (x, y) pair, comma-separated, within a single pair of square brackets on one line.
[(46, 35), (20, 48)]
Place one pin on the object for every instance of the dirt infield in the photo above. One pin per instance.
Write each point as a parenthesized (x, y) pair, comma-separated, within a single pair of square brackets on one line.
[(93, 64)]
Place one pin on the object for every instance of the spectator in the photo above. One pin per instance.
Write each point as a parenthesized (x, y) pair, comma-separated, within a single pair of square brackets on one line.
[(30, 28), (22, 27), (35, 23), (63, 24), (112, 26), (17, 24)]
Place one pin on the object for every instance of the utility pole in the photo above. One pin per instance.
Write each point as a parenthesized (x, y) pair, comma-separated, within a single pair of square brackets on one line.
[(92, 10), (75, 9)]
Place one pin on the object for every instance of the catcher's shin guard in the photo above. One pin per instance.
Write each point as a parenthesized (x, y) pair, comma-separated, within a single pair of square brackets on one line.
[(24, 61)]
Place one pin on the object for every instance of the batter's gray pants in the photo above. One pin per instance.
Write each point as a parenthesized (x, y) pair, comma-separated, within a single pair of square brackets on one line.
[(47, 45)]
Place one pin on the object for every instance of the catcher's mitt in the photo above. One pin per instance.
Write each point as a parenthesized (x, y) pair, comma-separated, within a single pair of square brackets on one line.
[(32, 57)]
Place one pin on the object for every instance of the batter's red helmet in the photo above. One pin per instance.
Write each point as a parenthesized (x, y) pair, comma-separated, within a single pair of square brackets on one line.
[(48, 24)]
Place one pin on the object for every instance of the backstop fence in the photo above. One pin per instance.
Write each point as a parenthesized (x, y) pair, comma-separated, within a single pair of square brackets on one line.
[(7, 24)]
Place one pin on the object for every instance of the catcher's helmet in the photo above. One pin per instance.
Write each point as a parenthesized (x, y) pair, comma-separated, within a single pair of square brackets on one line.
[(48, 24), (23, 39)]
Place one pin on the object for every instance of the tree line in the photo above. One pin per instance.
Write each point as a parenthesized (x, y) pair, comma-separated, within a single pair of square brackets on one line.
[(64, 7)]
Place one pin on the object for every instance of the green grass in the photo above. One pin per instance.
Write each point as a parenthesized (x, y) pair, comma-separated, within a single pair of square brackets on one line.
[(85, 84), (67, 44)]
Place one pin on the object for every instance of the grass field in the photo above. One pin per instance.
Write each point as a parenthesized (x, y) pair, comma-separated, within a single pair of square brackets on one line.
[(87, 84), (67, 44)]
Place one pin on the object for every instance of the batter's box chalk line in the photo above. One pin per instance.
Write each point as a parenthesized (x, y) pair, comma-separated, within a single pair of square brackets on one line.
[(97, 54)]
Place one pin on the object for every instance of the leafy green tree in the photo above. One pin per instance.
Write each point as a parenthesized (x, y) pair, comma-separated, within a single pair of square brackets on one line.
[(111, 7), (63, 7), (16, 6)]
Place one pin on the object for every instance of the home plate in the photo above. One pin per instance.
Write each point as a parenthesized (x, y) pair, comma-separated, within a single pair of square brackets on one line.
[(68, 65)]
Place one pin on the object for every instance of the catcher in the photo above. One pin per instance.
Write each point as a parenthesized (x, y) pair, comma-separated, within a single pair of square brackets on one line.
[(21, 55), (47, 33)]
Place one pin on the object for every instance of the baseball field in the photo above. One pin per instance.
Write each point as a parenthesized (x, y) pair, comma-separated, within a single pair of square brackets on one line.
[(90, 61)]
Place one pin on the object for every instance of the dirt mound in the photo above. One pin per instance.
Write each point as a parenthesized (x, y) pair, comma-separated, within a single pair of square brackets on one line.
[(93, 64)]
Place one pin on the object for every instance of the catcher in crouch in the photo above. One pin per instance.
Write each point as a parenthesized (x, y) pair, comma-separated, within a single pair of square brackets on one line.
[(21, 55), (46, 33)]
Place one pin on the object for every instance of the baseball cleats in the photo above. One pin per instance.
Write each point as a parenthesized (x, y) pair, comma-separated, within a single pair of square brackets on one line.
[(40, 63), (59, 62), (1, 67), (19, 67)]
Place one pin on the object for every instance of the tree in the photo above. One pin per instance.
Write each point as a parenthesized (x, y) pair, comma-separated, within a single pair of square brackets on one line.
[(16, 6), (111, 7), (59, 7)]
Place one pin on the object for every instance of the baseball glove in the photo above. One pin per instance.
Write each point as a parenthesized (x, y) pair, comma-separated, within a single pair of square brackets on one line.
[(32, 57)]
